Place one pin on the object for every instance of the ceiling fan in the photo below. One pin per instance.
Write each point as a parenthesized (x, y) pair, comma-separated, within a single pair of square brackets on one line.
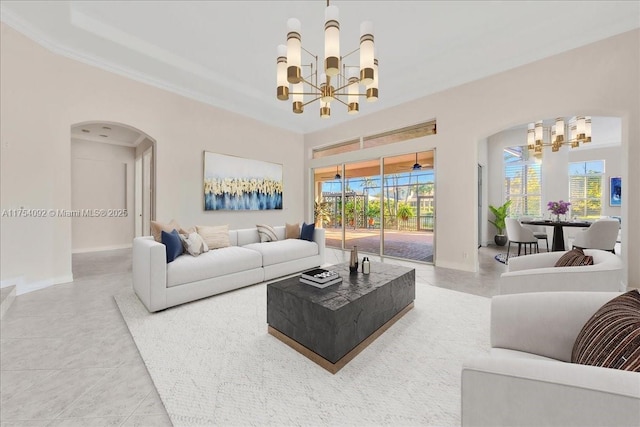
[(416, 166)]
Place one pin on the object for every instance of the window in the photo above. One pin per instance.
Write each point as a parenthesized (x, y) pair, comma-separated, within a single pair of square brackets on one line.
[(522, 182), (391, 137), (585, 189)]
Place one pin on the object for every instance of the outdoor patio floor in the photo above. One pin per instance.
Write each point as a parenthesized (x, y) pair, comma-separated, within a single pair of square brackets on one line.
[(411, 245)]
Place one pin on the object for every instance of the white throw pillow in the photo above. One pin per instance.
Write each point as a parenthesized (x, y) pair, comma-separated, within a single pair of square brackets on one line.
[(193, 244)]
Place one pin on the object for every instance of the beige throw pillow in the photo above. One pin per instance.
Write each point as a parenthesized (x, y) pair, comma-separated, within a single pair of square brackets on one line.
[(216, 236), (292, 231), (158, 227), (193, 243)]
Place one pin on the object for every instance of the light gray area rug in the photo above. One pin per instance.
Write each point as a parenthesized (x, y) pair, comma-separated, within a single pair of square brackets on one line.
[(213, 363)]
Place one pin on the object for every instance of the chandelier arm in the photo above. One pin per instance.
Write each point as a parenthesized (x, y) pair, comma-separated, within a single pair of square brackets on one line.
[(350, 53), (309, 102), (346, 85), (311, 84), (341, 101)]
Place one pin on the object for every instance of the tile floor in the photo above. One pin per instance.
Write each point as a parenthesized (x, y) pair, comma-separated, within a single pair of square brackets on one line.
[(67, 359)]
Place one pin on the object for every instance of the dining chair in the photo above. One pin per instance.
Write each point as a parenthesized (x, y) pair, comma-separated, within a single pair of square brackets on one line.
[(520, 235), (539, 231), (602, 234)]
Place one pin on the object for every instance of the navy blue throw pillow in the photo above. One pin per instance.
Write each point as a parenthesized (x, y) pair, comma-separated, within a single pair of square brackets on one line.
[(173, 243), (307, 231)]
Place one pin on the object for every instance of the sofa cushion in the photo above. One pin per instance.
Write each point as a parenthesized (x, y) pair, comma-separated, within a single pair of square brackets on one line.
[(306, 233), (220, 262), (173, 244), (266, 233), (284, 250), (611, 337), (574, 258), (214, 236), (292, 231)]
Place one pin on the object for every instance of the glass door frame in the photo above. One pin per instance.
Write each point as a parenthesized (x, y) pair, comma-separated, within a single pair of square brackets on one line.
[(342, 168)]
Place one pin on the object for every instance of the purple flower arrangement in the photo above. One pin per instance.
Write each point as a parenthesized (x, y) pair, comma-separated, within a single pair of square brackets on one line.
[(558, 208)]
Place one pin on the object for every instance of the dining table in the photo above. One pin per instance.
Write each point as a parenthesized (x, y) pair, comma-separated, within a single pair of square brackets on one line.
[(558, 233)]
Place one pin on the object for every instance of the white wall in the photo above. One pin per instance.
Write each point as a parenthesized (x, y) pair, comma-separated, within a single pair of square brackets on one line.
[(43, 94), (101, 178), (601, 79)]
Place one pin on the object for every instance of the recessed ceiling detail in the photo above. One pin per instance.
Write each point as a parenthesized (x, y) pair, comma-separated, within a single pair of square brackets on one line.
[(185, 47)]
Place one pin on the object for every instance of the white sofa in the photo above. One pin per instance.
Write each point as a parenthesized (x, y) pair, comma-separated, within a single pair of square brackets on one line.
[(536, 273), (527, 378), (245, 262)]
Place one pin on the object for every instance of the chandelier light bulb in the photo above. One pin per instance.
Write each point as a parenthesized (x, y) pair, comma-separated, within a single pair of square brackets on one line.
[(331, 41), (366, 53), (539, 132), (281, 74), (372, 89), (559, 130), (298, 98), (580, 128), (294, 51), (531, 139)]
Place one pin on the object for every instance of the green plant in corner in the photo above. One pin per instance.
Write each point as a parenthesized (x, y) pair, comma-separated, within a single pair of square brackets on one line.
[(500, 214)]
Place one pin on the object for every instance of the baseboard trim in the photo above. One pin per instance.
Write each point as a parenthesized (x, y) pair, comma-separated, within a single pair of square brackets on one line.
[(102, 248)]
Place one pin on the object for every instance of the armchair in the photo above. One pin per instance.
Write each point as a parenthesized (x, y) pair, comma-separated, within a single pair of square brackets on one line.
[(536, 273), (601, 235), (528, 379)]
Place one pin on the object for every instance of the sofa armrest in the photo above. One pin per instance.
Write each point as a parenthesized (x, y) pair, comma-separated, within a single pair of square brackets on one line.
[(549, 279), (542, 260), (513, 392), (319, 238), (543, 323), (150, 272)]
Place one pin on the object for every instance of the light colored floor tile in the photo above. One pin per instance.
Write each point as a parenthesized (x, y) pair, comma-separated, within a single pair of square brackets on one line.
[(14, 382), (87, 422), (151, 405), (25, 423), (52, 395), (119, 394), (147, 421)]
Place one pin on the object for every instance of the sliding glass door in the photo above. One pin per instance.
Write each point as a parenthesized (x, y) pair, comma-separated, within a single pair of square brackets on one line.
[(408, 208), (383, 206)]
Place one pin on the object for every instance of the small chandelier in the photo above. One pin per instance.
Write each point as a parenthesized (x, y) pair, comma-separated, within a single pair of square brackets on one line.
[(578, 131), (346, 86)]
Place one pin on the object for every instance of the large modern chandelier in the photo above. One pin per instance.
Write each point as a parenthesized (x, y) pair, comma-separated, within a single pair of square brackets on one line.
[(340, 81), (564, 132)]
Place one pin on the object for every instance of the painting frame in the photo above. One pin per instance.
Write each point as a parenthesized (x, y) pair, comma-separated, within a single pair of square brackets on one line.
[(615, 191), (232, 183)]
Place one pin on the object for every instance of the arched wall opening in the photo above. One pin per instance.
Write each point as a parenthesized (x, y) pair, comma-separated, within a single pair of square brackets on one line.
[(112, 185)]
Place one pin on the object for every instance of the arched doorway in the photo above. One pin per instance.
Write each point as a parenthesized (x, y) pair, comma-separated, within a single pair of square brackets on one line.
[(112, 185)]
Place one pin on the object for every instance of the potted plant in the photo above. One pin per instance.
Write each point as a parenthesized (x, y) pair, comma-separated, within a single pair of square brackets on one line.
[(405, 212), (321, 213), (500, 213)]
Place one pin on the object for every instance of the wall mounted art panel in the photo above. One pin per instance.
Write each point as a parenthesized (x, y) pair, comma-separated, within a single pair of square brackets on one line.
[(615, 191), (237, 184)]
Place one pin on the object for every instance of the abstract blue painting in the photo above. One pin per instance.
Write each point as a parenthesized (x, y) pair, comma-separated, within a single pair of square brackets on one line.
[(237, 184), (615, 191)]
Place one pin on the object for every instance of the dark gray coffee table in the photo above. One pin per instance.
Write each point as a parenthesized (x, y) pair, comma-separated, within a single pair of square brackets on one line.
[(332, 325)]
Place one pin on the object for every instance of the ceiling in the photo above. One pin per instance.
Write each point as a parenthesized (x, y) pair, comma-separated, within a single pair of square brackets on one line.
[(109, 133), (224, 52)]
